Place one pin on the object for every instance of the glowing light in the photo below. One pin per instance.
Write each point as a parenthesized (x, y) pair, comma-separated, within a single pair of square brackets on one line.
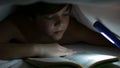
[(98, 57), (107, 37)]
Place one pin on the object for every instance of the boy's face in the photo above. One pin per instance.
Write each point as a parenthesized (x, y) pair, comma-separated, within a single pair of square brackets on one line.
[(54, 25)]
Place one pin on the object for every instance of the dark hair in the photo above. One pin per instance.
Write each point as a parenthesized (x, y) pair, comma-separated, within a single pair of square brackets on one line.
[(39, 7)]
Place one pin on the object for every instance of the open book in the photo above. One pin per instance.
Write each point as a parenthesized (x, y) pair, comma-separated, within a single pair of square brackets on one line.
[(75, 61)]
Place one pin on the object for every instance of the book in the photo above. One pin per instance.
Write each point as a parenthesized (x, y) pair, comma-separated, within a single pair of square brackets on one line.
[(85, 60)]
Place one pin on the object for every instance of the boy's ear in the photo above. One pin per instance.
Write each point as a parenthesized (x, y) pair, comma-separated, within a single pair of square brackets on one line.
[(24, 20), (25, 23), (31, 19)]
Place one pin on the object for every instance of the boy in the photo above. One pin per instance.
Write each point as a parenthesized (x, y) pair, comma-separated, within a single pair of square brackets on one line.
[(35, 30)]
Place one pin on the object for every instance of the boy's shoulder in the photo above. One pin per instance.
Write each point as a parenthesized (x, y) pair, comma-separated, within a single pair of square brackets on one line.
[(8, 30)]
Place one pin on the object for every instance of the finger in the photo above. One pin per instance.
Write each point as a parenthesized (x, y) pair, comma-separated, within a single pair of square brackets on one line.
[(68, 53), (64, 49)]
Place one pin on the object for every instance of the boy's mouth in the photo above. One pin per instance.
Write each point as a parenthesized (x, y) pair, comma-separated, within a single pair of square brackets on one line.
[(57, 32)]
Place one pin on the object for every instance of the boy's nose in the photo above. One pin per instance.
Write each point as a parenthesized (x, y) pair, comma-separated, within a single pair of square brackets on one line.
[(58, 20)]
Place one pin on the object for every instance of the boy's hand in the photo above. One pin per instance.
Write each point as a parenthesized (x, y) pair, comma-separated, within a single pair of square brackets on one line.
[(52, 50)]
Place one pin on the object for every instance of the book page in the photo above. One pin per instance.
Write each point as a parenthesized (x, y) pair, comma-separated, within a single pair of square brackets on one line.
[(53, 62), (90, 60), (86, 60)]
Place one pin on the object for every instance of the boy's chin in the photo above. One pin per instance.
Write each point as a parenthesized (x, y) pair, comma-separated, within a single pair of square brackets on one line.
[(57, 38)]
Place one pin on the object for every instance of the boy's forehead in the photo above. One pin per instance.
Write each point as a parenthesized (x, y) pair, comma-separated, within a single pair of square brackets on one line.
[(65, 8), (49, 8)]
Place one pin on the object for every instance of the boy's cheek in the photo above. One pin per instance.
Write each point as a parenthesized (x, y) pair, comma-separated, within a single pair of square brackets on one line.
[(66, 19)]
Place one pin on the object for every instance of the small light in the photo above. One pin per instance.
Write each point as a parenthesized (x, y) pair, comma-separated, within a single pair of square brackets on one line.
[(107, 37)]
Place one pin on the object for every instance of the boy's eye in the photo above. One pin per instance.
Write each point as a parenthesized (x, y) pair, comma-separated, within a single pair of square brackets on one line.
[(50, 17), (66, 13)]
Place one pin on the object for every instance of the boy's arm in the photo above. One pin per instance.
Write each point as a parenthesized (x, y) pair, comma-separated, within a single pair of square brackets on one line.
[(13, 51)]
